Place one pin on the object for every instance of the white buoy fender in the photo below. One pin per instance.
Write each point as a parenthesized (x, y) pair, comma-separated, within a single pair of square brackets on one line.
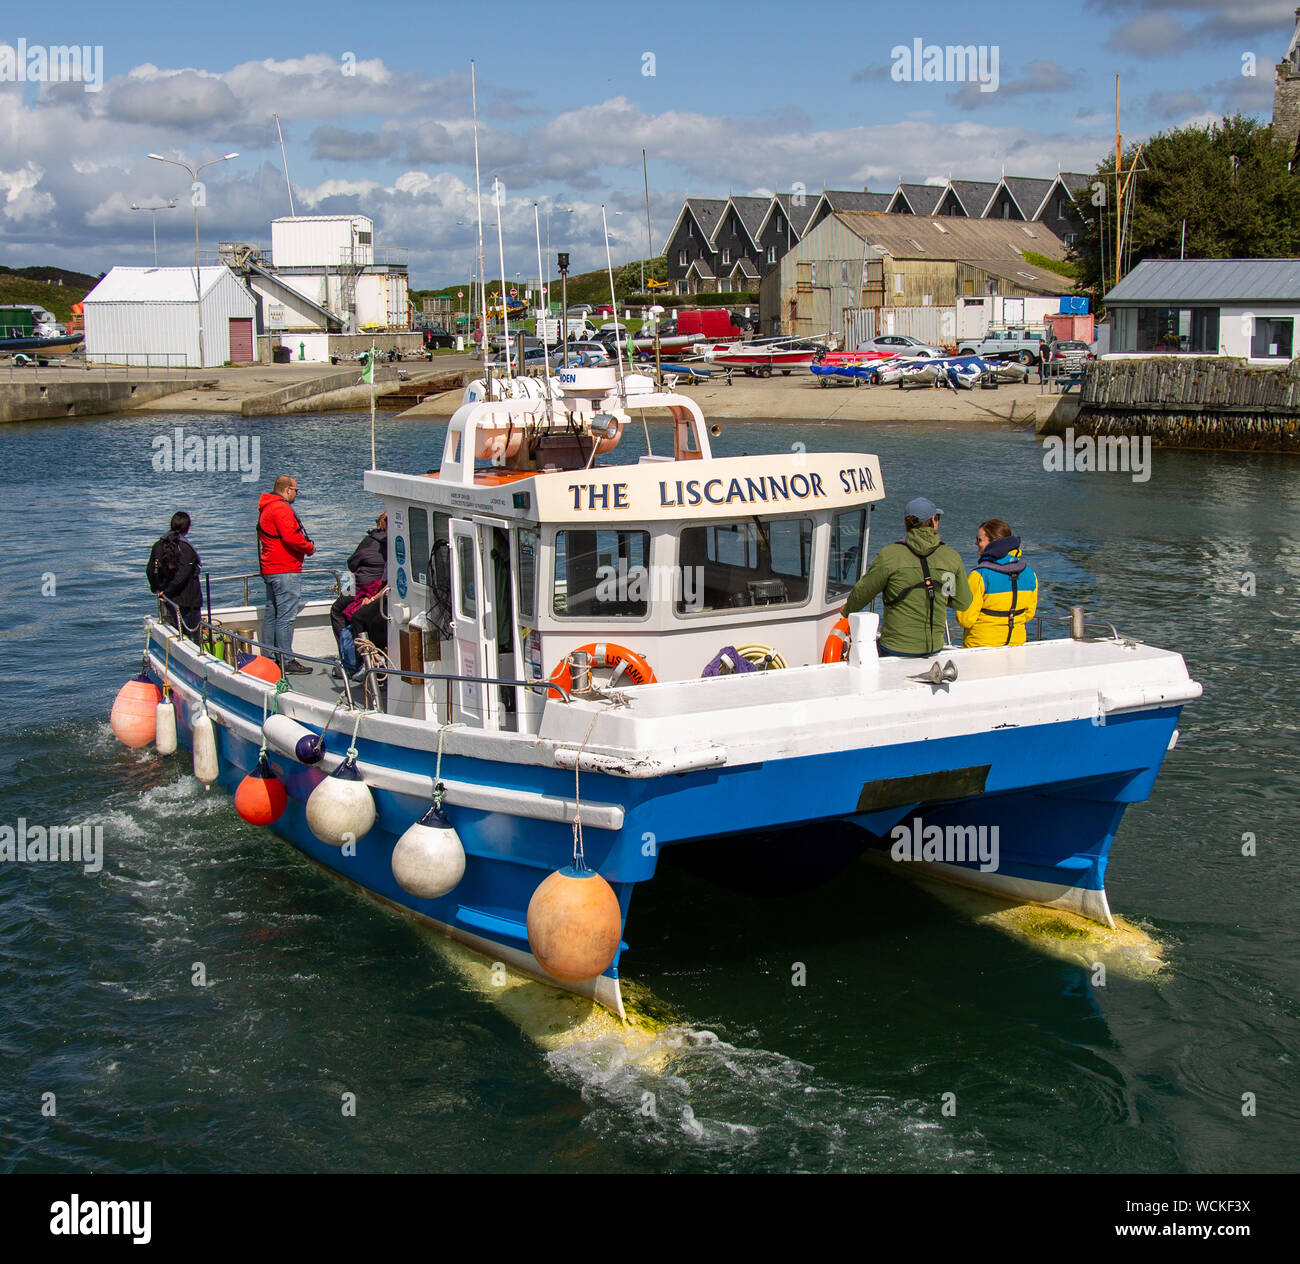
[(293, 739), (429, 860), (341, 809), (165, 727), (205, 748)]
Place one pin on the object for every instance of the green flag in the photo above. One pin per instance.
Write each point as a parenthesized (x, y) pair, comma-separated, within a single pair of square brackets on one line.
[(368, 363)]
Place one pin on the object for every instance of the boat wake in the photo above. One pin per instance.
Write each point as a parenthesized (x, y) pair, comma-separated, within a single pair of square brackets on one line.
[(690, 1093)]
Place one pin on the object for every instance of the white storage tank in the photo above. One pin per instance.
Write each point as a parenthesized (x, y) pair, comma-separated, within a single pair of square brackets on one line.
[(322, 241)]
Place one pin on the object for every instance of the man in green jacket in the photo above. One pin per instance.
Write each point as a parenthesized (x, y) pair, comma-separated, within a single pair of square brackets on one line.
[(918, 578)]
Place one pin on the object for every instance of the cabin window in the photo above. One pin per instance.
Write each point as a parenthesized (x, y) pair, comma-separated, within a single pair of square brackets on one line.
[(745, 564), (602, 574), (467, 593), (848, 531), (1271, 339), (526, 570), (419, 520)]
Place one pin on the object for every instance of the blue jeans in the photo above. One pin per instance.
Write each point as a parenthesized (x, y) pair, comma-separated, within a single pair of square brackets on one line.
[(283, 601)]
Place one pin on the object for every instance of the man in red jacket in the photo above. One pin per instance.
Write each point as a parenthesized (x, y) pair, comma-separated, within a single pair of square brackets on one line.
[(281, 546)]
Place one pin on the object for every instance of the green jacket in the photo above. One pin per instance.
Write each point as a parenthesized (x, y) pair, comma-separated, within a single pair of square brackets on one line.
[(908, 626)]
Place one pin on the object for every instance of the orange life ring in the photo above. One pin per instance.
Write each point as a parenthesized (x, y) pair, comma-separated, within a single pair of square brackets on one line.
[(837, 644), (604, 654)]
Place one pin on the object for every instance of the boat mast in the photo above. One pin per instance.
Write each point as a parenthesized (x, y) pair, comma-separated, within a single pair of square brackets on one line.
[(649, 245), (505, 311), (1119, 187), (546, 345), (482, 277), (613, 302)]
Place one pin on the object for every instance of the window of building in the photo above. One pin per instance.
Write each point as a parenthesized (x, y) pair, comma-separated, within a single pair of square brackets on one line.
[(363, 238), (748, 563), (682, 258), (1166, 330), (726, 257), (771, 254), (779, 226), (602, 574), (1271, 339), (898, 282)]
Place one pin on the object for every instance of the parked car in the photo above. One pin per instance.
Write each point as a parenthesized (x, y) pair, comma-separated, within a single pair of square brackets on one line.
[(1025, 345), (597, 352), (604, 310), (1066, 355), (437, 336), (903, 345)]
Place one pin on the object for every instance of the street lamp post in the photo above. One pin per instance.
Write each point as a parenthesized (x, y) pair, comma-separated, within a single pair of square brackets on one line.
[(194, 180), (154, 208)]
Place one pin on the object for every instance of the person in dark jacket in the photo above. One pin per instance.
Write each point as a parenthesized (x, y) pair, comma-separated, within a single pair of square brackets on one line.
[(173, 573), (369, 561)]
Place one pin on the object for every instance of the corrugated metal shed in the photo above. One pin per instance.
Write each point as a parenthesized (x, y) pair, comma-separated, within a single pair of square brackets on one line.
[(952, 237), (149, 316), (1210, 281)]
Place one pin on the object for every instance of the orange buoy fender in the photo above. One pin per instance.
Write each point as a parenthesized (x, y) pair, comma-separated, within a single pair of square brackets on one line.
[(574, 925), (606, 654), (260, 798), (134, 717), (259, 666), (837, 644)]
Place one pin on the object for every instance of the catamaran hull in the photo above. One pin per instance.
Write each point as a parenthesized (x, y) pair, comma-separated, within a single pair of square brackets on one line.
[(1043, 803)]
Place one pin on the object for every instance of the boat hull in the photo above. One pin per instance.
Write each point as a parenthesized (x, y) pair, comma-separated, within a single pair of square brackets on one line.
[(1045, 799)]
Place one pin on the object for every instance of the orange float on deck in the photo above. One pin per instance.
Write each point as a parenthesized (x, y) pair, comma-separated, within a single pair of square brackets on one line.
[(837, 644), (260, 666), (134, 717), (604, 654)]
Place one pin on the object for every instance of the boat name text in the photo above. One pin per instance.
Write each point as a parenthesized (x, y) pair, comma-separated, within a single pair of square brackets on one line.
[(766, 489)]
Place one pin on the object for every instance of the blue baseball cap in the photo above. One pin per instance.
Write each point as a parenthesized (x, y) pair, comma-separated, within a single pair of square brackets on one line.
[(922, 509)]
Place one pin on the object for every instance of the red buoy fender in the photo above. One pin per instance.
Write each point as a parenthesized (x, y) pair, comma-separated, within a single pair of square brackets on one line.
[(605, 654), (837, 644)]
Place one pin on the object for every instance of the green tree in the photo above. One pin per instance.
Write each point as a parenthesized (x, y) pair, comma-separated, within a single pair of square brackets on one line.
[(1231, 181), (627, 280)]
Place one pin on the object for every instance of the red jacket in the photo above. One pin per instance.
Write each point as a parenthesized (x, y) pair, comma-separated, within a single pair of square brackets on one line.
[(281, 541)]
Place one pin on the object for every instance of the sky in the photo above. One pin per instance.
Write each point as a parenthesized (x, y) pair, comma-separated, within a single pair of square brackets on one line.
[(377, 114)]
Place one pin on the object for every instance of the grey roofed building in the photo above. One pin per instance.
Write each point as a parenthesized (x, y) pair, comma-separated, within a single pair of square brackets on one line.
[(1209, 281), (955, 238), (1029, 194), (752, 212), (974, 195), (920, 199)]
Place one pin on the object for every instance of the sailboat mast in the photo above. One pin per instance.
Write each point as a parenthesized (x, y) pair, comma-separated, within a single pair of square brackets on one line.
[(1119, 188), (482, 278), (501, 252), (649, 245), (284, 161)]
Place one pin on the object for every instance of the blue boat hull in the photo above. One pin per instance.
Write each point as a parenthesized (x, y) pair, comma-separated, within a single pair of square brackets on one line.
[(1051, 796)]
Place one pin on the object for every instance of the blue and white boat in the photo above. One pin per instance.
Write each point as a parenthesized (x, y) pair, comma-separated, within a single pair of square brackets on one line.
[(736, 702)]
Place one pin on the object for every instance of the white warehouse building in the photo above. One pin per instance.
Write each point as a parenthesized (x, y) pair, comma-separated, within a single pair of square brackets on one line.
[(153, 316)]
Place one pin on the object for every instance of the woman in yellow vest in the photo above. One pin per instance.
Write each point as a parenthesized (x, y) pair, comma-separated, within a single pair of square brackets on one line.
[(1005, 590)]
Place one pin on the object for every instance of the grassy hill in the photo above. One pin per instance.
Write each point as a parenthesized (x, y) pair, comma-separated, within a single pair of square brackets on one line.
[(16, 288)]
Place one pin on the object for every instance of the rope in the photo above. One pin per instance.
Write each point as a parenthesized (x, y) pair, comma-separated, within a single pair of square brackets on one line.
[(262, 752), (352, 747), (579, 857), (439, 790)]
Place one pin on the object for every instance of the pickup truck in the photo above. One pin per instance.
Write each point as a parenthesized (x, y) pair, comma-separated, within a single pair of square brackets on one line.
[(1025, 345)]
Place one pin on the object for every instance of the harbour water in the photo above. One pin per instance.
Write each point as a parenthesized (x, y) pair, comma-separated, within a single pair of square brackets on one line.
[(821, 1031)]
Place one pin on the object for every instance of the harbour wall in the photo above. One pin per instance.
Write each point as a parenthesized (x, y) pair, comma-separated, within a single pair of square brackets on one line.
[(1184, 402), (46, 401)]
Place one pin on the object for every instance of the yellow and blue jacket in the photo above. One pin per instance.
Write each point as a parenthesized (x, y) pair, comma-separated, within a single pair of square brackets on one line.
[(1005, 593)]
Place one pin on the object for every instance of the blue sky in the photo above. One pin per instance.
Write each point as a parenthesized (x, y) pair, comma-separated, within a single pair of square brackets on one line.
[(378, 120)]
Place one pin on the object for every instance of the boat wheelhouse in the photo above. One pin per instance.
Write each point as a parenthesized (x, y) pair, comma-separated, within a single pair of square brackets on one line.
[(594, 661)]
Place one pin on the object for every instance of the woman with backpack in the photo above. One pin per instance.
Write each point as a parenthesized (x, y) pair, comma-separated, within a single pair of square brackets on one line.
[(173, 573)]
